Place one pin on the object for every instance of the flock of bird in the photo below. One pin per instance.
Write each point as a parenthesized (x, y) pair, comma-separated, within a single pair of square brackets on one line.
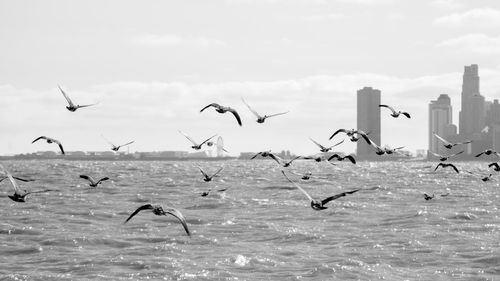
[(353, 135)]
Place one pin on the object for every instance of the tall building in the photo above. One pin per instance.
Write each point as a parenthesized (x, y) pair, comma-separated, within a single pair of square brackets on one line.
[(220, 147), (469, 118), (440, 122), (368, 101)]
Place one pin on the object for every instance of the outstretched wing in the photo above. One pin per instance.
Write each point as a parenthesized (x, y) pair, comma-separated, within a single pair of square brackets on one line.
[(11, 178), (218, 171), (319, 145), (494, 164), (103, 179), (204, 174), (454, 168), (406, 114), (189, 138), (457, 153), (365, 136), (236, 115), (324, 201), (255, 155), (296, 185), (60, 146), (66, 96), (441, 139), (336, 132), (435, 154), (340, 142), (251, 109), (180, 217), (141, 208), (276, 158), (42, 137), (385, 105), (89, 178), (40, 191), (86, 105), (127, 143), (276, 114), (351, 158), (212, 104), (207, 139)]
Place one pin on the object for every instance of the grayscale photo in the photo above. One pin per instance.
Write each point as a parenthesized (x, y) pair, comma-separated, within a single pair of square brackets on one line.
[(250, 140)]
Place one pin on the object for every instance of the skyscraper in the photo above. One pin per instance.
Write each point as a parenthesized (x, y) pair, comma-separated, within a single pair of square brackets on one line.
[(440, 122), (471, 117), (368, 101)]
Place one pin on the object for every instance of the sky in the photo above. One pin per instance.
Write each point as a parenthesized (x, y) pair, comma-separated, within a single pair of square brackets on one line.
[(152, 65)]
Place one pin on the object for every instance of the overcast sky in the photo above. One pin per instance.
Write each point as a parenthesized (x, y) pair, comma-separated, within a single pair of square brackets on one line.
[(152, 65)]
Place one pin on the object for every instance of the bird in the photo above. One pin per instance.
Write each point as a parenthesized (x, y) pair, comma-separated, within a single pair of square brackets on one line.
[(158, 210), (443, 158), (316, 204), (351, 133), (318, 158), (487, 178), (17, 178), (91, 180), (488, 152), (223, 109), (428, 197), (394, 113), (50, 140), (324, 148), (117, 147), (266, 154), (448, 144), (378, 150), (195, 145), (342, 158), (285, 163), (444, 165), (306, 176), (495, 166), (260, 118), (208, 178), (19, 195), (389, 150), (205, 193), (72, 107)]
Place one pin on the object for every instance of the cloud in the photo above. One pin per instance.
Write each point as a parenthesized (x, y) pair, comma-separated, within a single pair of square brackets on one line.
[(479, 17), (171, 40), (446, 4), (480, 44), (325, 17)]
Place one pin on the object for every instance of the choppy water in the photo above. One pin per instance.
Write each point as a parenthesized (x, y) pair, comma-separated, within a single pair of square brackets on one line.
[(261, 228)]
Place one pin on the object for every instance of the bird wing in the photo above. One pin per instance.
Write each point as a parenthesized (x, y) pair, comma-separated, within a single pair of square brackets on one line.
[(89, 178), (338, 131), (66, 97), (236, 115), (384, 105), (335, 155), (326, 200), (454, 168), (11, 178), (337, 144), (276, 114), (319, 145), (127, 143), (204, 174), (494, 164), (212, 104), (438, 165), (406, 114), (479, 154), (42, 137), (39, 191), (465, 142), (189, 138), (107, 140), (351, 158), (441, 139), (86, 105), (60, 146), (103, 179), (295, 158), (435, 154), (457, 153), (180, 217), (255, 155), (208, 139), (218, 171), (276, 158), (251, 109), (144, 207), (365, 136), (296, 185)]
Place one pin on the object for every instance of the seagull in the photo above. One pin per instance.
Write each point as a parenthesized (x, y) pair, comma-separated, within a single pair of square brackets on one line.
[(487, 178), (318, 158), (306, 176), (266, 154), (316, 204), (117, 147), (19, 195), (50, 140), (261, 119), (93, 183), (394, 113), (224, 109), (208, 178), (284, 162), (72, 107), (448, 144), (342, 158), (444, 158), (428, 197), (351, 133), (495, 166), (195, 145), (323, 148), (205, 193), (488, 152), (158, 210), (444, 165), (392, 150)]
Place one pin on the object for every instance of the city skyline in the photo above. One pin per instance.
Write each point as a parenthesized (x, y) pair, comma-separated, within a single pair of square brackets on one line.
[(152, 68)]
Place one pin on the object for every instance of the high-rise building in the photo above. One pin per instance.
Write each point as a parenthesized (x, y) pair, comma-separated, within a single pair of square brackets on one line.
[(469, 118), (220, 147), (440, 122), (368, 101)]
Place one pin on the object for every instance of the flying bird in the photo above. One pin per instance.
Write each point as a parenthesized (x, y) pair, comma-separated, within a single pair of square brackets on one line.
[(487, 178), (444, 158), (306, 176), (266, 154), (316, 204), (448, 144), (389, 150), (224, 109), (260, 118), (394, 113), (352, 133), (205, 193), (195, 145), (428, 197), (50, 140), (91, 180), (285, 163), (117, 147), (342, 158), (72, 107), (488, 152), (208, 178), (158, 210), (19, 195), (444, 165), (324, 148), (495, 166)]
